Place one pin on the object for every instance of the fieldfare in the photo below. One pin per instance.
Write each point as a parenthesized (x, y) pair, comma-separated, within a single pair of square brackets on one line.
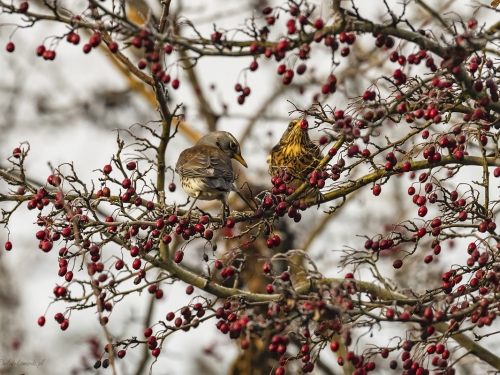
[(295, 154), (206, 171)]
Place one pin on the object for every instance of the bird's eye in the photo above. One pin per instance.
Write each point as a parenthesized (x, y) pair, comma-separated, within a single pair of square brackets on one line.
[(290, 126), (232, 145)]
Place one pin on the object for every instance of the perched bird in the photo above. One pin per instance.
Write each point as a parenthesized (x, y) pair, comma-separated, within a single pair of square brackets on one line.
[(206, 171), (295, 153)]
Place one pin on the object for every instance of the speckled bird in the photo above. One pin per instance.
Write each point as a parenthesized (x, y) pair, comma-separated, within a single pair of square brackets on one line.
[(206, 170), (295, 153)]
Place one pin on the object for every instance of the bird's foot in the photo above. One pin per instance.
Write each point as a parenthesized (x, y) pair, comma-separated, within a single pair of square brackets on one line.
[(223, 220)]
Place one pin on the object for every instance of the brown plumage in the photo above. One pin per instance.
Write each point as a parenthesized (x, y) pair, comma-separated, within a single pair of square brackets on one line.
[(206, 171), (295, 153)]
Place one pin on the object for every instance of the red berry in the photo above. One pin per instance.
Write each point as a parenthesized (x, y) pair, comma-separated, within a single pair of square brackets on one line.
[(75, 39), (267, 267), (178, 256), (351, 38), (107, 169), (95, 39), (64, 325), (285, 276), (405, 316), (137, 42), (301, 69), (344, 51), (23, 7), (136, 264), (398, 263), (319, 24), (389, 314), (41, 321), (208, 234), (40, 50), (230, 222), (131, 165), (113, 47), (10, 47), (267, 10)]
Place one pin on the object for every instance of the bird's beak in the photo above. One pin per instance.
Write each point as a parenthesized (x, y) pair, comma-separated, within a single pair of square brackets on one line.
[(241, 160)]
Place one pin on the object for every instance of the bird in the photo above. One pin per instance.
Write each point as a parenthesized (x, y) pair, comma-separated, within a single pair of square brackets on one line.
[(294, 154), (206, 171)]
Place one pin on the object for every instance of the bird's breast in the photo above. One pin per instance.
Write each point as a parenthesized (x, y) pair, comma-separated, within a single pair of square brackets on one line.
[(196, 187)]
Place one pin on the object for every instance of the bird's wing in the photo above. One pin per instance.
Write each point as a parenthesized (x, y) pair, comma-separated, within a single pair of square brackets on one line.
[(205, 161), (272, 163)]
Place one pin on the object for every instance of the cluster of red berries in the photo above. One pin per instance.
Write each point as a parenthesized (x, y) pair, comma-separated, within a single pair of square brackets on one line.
[(330, 86), (189, 316), (76, 220), (230, 322), (143, 39), (492, 86), (352, 128), (152, 342), (279, 49), (280, 190), (245, 91), (152, 57), (382, 244)]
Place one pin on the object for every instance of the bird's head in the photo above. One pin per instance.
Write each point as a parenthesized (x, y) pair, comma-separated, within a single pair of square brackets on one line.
[(295, 134), (226, 142)]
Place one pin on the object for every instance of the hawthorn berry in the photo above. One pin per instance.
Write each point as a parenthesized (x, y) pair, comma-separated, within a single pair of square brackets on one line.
[(23, 7)]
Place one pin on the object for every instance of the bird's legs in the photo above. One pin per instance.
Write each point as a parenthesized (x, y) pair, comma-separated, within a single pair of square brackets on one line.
[(224, 212), (225, 209), (190, 208)]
